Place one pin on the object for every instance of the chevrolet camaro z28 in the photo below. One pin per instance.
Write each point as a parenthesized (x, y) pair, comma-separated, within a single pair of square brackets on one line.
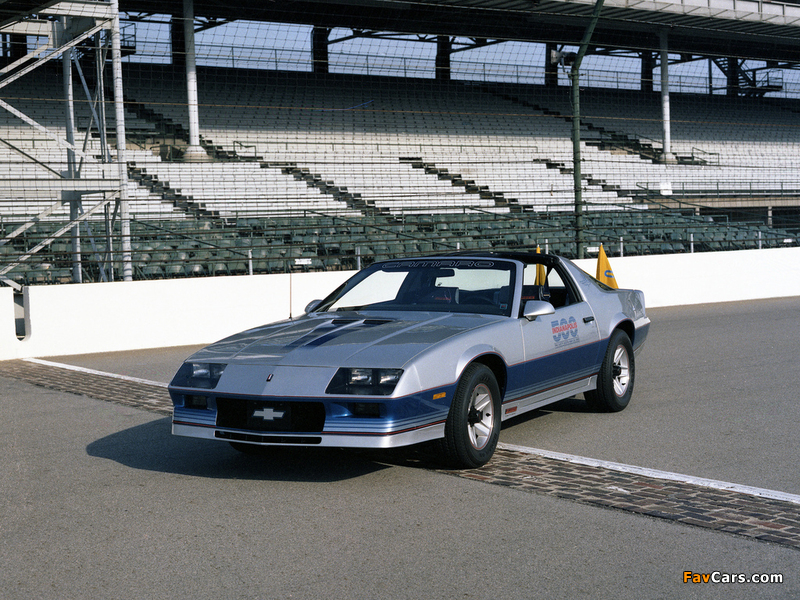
[(419, 349)]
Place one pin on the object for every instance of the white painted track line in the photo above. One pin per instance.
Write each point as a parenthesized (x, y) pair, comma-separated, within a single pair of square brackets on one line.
[(664, 475), (48, 363)]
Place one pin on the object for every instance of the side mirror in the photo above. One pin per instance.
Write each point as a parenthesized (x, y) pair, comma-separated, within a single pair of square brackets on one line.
[(312, 305), (537, 308)]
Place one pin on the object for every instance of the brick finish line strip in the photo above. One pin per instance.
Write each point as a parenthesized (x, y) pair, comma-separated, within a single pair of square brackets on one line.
[(48, 363), (101, 386), (764, 519), (669, 476)]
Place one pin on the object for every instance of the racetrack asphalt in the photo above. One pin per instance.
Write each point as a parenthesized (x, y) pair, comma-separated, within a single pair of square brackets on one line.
[(100, 501)]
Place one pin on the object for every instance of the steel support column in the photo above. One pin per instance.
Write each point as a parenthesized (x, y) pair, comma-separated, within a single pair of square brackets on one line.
[(319, 49), (72, 170), (665, 113), (733, 74), (444, 47), (646, 75), (550, 66), (119, 106), (575, 77), (194, 152)]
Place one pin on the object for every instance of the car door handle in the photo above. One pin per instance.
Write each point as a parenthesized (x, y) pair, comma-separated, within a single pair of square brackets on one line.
[(588, 319)]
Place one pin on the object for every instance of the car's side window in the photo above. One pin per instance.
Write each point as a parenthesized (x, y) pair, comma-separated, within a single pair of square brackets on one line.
[(545, 283)]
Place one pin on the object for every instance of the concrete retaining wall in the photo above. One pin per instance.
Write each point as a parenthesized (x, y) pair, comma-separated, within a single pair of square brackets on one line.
[(105, 317), (678, 279)]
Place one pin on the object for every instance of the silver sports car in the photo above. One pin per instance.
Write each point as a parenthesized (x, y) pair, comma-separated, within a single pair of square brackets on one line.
[(412, 350)]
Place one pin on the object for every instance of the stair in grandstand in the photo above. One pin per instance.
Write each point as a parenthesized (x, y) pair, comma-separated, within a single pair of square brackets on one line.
[(458, 180), (564, 169), (172, 138), (610, 141), (314, 180), (168, 194)]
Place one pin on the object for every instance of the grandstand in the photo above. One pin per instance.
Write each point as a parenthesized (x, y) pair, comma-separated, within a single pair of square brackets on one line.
[(313, 170)]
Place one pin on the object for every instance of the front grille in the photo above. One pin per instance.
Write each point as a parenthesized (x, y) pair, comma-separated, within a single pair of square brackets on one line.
[(268, 415)]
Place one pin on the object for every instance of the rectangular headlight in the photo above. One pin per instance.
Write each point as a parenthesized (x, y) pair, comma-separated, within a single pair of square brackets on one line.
[(389, 376), (199, 375), (360, 377), (201, 370), (364, 381)]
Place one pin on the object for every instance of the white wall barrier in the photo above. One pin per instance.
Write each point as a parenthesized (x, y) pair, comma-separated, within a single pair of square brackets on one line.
[(105, 317), (8, 340), (707, 277)]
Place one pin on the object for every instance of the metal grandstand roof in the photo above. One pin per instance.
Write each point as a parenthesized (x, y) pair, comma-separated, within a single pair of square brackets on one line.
[(740, 28), (12, 10)]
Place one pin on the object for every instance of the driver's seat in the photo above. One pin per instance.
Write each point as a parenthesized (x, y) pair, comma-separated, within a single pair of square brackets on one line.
[(440, 295), (535, 292)]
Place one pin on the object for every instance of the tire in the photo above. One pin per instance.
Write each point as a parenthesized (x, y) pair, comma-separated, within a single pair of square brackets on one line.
[(616, 376), (473, 423)]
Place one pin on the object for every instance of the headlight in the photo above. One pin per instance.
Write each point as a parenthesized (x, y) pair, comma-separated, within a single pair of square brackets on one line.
[(364, 381), (199, 375), (359, 376)]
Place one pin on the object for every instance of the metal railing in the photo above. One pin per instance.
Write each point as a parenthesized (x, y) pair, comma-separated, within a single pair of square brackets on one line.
[(315, 241), (292, 59)]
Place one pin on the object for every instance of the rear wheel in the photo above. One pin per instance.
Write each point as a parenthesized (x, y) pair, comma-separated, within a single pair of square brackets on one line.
[(473, 424), (615, 379)]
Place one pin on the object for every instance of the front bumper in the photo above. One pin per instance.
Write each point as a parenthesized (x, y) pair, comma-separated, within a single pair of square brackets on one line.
[(392, 440), (344, 422)]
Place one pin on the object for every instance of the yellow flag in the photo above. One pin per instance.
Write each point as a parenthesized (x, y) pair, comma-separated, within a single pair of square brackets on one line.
[(604, 272), (540, 274)]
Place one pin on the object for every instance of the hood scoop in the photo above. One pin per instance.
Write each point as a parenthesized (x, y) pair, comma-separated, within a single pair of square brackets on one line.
[(376, 321), (343, 321), (335, 329)]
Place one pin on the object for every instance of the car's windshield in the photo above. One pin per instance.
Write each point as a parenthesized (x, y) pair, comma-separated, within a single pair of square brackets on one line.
[(445, 285)]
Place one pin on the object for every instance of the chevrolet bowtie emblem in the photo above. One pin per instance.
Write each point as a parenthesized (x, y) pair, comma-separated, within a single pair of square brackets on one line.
[(268, 414)]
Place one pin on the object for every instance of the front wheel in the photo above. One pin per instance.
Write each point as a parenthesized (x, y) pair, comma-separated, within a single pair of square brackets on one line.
[(473, 424), (615, 379)]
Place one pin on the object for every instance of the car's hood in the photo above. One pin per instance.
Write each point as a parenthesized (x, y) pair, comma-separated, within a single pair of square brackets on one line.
[(346, 339)]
